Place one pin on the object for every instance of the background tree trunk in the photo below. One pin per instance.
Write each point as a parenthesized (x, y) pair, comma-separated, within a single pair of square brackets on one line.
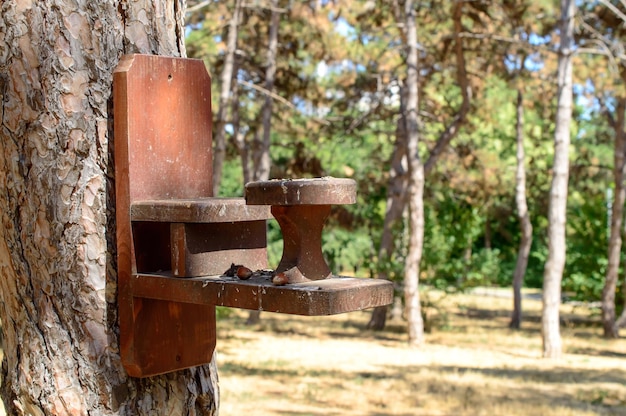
[(611, 330), (526, 227), (415, 187), (460, 118), (239, 134), (396, 203), (226, 79), (553, 271), (261, 154), (57, 240), (262, 161)]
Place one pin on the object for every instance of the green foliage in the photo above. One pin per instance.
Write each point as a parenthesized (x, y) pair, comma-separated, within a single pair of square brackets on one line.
[(274, 243), (347, 251), (232, 179), (453, 256), (586, 259), (343, 123)]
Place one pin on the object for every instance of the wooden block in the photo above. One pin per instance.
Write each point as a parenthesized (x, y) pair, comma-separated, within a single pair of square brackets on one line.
[(210, 249)]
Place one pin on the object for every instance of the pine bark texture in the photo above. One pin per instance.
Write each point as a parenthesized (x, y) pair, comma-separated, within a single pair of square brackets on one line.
[(526, 227), (57, 241), (611, 329), (553, 271), (415, 187)]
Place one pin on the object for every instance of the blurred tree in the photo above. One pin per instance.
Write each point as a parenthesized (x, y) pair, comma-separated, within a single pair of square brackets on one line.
[(553, 274), (523, 215), (226, 86), (603, 35), (415, 183)]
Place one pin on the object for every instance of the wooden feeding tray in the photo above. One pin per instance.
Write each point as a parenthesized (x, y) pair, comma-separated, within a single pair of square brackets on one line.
[(320, 297), (175, 241)]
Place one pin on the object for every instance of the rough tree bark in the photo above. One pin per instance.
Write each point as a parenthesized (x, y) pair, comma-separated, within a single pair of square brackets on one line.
[(226, 78), (553, 271), (57, 240), (526, 227)]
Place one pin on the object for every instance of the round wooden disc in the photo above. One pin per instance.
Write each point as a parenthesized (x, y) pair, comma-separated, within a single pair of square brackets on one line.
[(316, 191)]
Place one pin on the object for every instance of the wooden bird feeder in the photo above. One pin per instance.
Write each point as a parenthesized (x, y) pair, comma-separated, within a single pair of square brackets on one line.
[(175, 241)]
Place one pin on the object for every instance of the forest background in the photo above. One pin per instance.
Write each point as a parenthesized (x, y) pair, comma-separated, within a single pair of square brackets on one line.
[(323, 88)]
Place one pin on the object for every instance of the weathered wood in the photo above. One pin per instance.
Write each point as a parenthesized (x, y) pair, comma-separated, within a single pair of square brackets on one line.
[(210, 249), (207, 235), (162, 131), (200, 210), (314, 191), (169, 227), (301, 206), (320, 297)]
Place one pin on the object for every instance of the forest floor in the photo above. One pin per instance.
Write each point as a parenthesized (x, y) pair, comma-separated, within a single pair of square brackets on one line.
[(471, 364)]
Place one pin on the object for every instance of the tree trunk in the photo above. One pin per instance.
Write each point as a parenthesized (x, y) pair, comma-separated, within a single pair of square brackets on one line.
[(262, 154), (239, 135), (396, 202), (621, 321), (262, 160), (460, 118), (57, 240), (219, 147), (611, 330), (553, 271), (415, 187), (526, 227)]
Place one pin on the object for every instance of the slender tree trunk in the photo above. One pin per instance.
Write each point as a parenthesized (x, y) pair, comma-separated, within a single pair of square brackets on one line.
[(487, 229), (621, 321), (262, 155), (415, 187), (526, 227), (262, 160), (611, 330), (417, 170), (239, 136), (460, 118), (57, 239), (396, 202), (219, 147), (553, 272)]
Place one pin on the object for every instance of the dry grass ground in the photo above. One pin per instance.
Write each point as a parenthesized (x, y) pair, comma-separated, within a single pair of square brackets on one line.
[(472, 364)]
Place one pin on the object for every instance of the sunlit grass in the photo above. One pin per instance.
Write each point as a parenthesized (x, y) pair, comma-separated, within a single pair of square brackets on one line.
[(472, 364)]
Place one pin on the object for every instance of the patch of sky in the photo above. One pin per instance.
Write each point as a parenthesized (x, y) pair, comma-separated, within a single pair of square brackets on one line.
[(323, 68), (535, 39), (191, 27), (344, 28), (584, 95)]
